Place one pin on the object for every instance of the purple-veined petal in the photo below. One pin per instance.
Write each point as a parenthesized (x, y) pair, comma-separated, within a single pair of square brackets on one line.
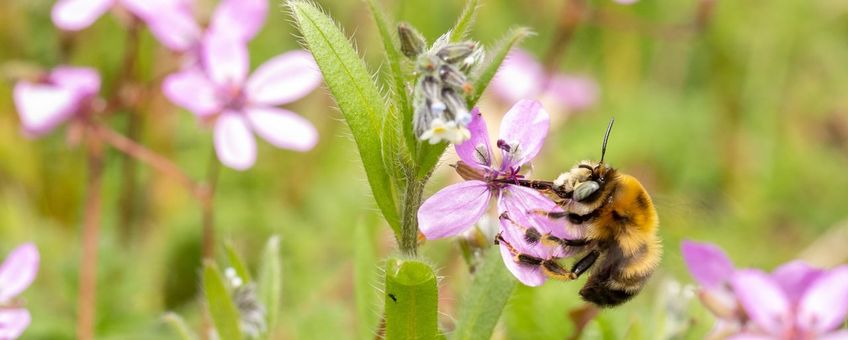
[(515, 219), (525, 124), (42, 107), (707, 263), (170, 21), (453, 209), (282, 128), (244, 18), (475, 151), (531, 204), (284, 79), (573, 92), (520, 76), (191, 89), (225, 58), (234, 142), (13, 322), (74, 15), (763, 300), (84, 81), (528, 275), (795, 277), (825, 303), (18, 271)]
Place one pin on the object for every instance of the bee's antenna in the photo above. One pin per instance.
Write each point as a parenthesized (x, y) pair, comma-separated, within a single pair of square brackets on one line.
[(606, 137)]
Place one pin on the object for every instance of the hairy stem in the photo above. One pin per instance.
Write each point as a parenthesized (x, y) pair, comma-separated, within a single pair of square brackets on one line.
[(408, 241), (86, 303)]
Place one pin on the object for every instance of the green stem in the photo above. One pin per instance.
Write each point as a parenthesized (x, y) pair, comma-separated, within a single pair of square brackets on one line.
[(408, 241)]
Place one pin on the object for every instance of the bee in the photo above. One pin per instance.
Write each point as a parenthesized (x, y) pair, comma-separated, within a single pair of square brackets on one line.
[(620, 246)]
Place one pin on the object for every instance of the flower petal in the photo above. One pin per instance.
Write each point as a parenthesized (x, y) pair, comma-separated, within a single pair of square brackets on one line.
[(284, 79), (192, 90), (763, 300), (520, 76), (234, 143), (84, 81), (453, 209), (749, 336), (825, 303), (244, 18), (282, 128), (42, 107), (795, 277), (74, 15), (707, 263), (18, 271), (13, 322), (838, 335), (531, 204), (528, 275), (573, 92), (225, 58), (526, 124), (170, 21), (475, 151)]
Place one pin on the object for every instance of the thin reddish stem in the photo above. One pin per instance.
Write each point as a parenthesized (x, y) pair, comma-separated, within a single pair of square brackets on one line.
[(90, 230)]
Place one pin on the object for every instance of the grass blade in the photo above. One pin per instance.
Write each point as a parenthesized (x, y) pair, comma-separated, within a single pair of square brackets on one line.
[(465, 21), (365, 276), (237, 263), (179, 326), (271, 281), (484, 302)]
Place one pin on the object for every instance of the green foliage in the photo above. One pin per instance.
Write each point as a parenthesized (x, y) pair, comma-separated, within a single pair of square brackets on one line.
[(494, 57), (271, 281), (365, 276), (411, 300), (223, 310), (485, 300), (357, 96), (465, 21), (179, 326), (236, 263)]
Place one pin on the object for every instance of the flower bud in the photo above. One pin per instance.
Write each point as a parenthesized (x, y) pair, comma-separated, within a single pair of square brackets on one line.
[(455, 53), (412, 43)]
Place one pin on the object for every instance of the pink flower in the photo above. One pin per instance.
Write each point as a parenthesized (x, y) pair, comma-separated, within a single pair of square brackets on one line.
[(170, 21), (814, 307), (16, 274), (219, 90), (712, 269), (63, 93), (522, 76), (457, 207)]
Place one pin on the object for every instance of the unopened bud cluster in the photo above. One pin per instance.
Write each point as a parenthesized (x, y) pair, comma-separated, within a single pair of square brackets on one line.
[(441, 112)]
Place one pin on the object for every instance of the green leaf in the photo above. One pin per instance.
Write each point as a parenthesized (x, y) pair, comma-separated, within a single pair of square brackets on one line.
[(271, 280), (224, 313), (428, 157), (236, 262), (355, 93), (494, 57), (411, 300), (365, 276), (179, 326), (465, 21), (484, 302), (394, 59)]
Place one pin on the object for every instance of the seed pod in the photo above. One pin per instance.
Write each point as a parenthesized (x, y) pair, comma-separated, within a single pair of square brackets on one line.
[(412, 43)]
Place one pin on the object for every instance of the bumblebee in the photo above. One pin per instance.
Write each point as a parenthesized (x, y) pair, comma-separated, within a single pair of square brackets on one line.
[(620, 247)]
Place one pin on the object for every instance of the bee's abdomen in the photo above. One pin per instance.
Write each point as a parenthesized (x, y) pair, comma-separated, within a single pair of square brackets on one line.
[(599, 293)]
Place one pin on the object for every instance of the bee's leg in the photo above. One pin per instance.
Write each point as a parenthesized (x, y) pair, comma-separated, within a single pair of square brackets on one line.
[(549, 267), (531, 234), (585, 263), (551, 240)]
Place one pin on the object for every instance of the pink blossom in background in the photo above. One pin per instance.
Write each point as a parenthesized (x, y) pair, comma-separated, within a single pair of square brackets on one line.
[(219, 90), (522, 76), (64, 92), (171, 21), (626, 2), (16, 274), (458, 207), (795, 301)]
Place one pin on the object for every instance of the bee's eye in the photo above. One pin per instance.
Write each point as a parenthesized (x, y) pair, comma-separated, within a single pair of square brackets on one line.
[(585, 189)]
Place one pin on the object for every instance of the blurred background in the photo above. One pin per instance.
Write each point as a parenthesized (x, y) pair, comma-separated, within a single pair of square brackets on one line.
[(732, 113)]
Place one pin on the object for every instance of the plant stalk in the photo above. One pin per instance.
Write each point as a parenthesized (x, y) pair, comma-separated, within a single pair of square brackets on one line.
[(408, 241), (87, 302)]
